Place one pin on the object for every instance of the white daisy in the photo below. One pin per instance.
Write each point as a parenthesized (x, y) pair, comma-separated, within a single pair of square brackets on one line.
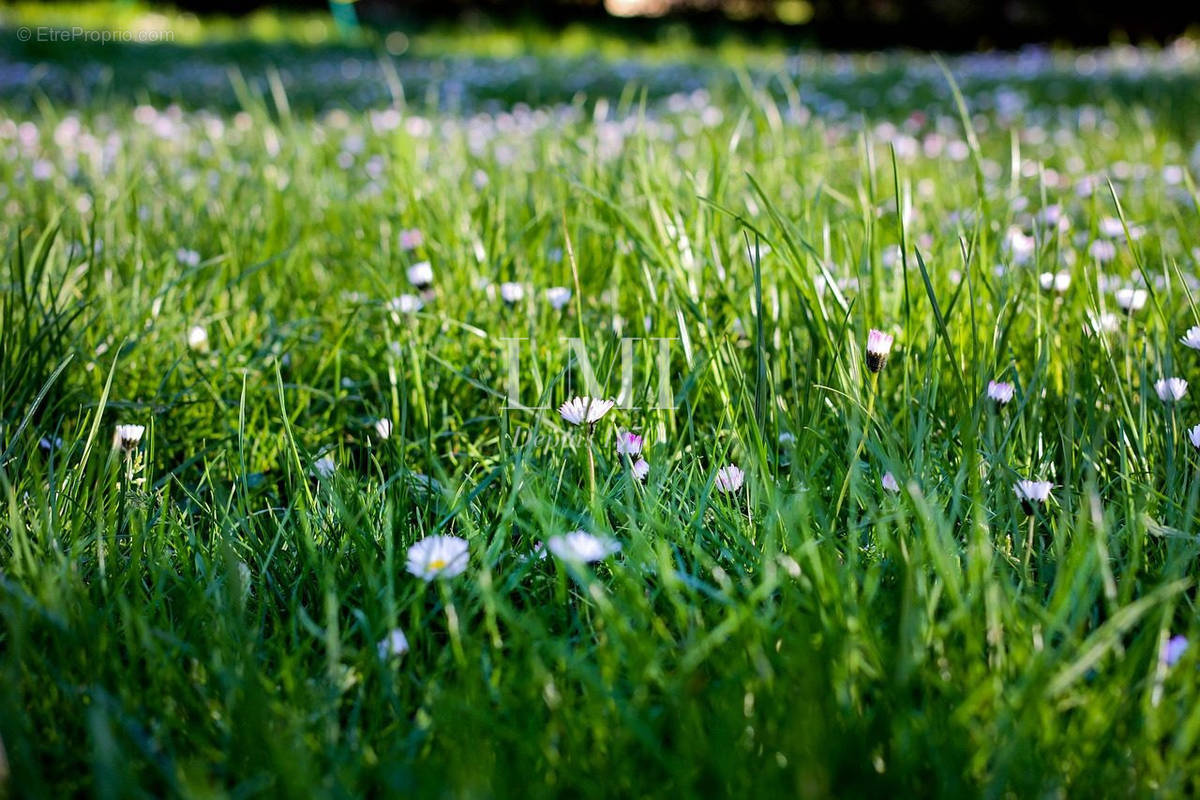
[(323, 467), (730, 478), (394, 644), (383, 428), (197, 338), (1170, 389), (1131, 300), (1055, 281), (420, 274), (889, 482), (558, 296), (1106, 322), (187, 257), (438, 557), (1192, 338), (579, 410), (1032, 493), (1194, 436), (127, 437), (512, 293), (581, 546), (406, 304)]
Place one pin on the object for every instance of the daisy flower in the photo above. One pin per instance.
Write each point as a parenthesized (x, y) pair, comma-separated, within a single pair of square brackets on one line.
[(581, 546), (420, 275), (787, 438), (628, 443), (879, 346), (54, 442), (1000, 391), (197, 338), (411, 239), (394, 644), (1055, 281), (512, 293), (1106, 322), (579, 410), (324, 467), (1131, 300), (406, 304), (1032, 493), (1170, 389), (1174, 649), (730, 479), (889, 482), (438, 557), (557, 296), (383, 428), (1194, 436), (640, 469), (127, 437), (1192, 338)]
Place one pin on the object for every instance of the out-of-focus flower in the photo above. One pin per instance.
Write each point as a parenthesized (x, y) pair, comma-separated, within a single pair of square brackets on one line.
[(640, 469), (581, 546), (197, 338), (1131, 300), (889, 482), (411, 239), (558, 296), (324, 467), (1170, 390), (512, 293), (438, 557), (420, 275), (1174, 649), (1055, 281), (383, 428), (628, 443), (406, 304), (1000, 392), (394, 644)]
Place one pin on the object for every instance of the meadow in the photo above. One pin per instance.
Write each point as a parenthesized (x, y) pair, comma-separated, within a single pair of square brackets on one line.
[(897, 495)]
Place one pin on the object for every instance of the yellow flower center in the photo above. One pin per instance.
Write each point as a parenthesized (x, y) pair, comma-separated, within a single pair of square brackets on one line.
[(437, 563)]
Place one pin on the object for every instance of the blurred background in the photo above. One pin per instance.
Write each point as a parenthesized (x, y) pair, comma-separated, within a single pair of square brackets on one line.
[(954, 25)]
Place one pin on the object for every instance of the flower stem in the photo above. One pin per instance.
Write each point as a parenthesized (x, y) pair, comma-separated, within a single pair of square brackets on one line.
[(1032, 521), (862, 443), (591, 469)]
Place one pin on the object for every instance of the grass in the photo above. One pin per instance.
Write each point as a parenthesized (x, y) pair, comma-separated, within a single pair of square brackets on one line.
[(200, 616)]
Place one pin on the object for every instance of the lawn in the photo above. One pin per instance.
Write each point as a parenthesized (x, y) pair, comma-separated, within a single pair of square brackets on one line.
[(896, 496)]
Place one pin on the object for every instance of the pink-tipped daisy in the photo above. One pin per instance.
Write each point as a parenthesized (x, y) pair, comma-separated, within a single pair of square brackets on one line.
[(1000, 392), (579, 410), (730, 479), (879, 346)]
